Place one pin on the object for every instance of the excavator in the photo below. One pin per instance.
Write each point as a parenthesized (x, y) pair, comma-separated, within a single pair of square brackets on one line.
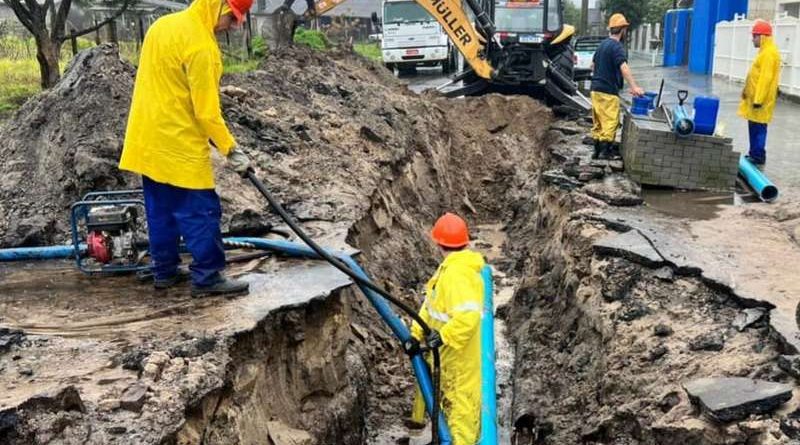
[(516, 46)]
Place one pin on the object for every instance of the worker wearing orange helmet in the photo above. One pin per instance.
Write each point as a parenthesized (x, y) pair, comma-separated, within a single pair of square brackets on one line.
[(452, 309), (609, 70), (175, 117), (760, 91)]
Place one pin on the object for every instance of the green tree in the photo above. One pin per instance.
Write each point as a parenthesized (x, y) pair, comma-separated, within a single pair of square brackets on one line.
[(572, 15), (656, 10), (634, 10), (47, 22)]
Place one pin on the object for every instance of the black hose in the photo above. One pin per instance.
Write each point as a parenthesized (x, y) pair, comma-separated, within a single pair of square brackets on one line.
[(335, 262)]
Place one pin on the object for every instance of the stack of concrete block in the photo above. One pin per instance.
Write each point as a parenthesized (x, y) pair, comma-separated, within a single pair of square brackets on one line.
[(654, 155)]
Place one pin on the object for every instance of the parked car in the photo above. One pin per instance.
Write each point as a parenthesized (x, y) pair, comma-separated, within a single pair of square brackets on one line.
[(585, 46)]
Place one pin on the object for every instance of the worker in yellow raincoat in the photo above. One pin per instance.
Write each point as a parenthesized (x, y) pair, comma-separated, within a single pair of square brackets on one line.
[(609, 69), (452, 309), (175, 115), (761, 90)]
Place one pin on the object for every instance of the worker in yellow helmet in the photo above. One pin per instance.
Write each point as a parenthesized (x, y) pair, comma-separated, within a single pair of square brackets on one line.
[(452, 309), (760, 91), (175, 114), (609, 69)]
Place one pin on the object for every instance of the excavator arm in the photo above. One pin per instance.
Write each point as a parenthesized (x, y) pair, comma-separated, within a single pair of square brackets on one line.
[(453, 19), (451, 16)]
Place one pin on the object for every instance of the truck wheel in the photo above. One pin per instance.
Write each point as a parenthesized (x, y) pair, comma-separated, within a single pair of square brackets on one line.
[(563, 59), (389, 66), (450, 65)]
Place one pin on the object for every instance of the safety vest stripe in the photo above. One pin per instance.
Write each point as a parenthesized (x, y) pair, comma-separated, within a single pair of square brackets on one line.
[(469, 306)]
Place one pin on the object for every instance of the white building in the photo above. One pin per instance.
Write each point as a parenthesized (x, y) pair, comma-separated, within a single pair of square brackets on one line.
[(768, 9)]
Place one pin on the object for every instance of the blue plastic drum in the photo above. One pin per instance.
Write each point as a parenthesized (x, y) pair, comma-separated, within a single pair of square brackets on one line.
[(705, 114)]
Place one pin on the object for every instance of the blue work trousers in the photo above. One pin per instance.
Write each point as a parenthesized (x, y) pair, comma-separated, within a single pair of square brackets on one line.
[(195, 215), (758, 141)]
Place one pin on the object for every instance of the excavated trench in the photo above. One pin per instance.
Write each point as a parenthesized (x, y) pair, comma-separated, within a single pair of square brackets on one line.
[(592, 349), (595, 350)]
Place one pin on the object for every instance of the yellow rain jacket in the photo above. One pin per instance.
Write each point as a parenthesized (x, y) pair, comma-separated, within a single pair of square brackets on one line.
[(175, 109), (761, 86), (453, 306)]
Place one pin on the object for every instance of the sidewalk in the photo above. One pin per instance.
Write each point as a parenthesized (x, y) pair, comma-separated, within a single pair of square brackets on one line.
[(783, 145)]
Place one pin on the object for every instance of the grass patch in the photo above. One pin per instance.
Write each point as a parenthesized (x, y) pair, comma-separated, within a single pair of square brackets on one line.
[(19, 80), (310, 38), (371, 51), (234, 66)]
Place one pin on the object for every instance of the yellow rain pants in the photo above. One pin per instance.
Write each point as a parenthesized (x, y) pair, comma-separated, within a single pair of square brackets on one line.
[(175, 110), (761, 86), (605, 116), (453, 304)]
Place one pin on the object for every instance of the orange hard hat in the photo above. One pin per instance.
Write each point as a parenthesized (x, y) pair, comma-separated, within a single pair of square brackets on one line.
[(762, 28), (240, 8), (617, 21), (450, 231)]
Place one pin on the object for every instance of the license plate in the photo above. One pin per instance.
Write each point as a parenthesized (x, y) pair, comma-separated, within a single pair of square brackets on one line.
[(412, 52), (526, 38)]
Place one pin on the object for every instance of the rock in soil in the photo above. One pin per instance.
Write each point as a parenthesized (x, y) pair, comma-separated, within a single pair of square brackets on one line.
[(710, 341), (735, 398), (616, 189), (747, 318)]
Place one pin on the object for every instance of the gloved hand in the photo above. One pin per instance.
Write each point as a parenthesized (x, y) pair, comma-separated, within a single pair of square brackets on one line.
[(239, 162), (434, 340)]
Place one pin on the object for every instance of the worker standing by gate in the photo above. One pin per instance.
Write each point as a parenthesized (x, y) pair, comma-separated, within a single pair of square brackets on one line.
[(760, 91), (609, 69), (452, 309), (175, 114)]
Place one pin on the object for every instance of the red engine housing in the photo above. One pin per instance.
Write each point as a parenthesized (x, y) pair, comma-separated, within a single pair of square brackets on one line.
[(97, 246)]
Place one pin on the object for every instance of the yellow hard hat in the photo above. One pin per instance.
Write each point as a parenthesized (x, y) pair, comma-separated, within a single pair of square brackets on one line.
[(618, 21)]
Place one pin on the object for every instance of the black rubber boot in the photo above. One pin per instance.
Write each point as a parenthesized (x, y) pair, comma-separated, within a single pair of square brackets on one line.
[(598, 149), (182, 275), (603, 150), (226, 287)]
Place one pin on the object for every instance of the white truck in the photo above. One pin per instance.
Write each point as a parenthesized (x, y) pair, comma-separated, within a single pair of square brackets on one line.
[(412, 37)]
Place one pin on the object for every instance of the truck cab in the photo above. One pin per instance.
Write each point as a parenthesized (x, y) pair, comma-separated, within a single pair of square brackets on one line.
[(533, 35), (412, 37)]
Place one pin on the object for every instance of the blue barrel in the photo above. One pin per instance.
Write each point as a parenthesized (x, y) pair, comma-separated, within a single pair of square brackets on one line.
[(652, 97), (705, 114), (640, 106)]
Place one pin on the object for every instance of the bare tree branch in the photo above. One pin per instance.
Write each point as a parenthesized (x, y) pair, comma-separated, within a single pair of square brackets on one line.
[(59, 21), (99, 25), (22, 14)]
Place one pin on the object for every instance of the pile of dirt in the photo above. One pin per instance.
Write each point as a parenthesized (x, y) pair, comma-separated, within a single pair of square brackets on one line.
[(350, 151), (61, 144)]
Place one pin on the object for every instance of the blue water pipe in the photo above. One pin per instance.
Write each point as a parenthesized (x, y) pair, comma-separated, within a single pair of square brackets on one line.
[(766, 190), (39, 253), (400, 330), (682, 122), (488, 371)]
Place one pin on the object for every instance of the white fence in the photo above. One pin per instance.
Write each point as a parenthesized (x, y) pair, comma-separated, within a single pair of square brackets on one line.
[(734, 51)]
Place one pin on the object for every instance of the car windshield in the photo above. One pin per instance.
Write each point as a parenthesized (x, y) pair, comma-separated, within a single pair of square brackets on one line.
[(405, 12), (517, 19), (587, 45)]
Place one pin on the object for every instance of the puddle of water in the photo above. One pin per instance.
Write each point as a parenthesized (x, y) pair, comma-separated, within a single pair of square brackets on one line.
[(696, 205)]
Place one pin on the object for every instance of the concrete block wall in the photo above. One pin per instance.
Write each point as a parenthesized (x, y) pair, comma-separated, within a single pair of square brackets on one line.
[(654, 155)]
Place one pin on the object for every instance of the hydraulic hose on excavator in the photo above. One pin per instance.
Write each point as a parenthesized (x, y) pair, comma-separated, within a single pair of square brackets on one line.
[(440, 433)]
